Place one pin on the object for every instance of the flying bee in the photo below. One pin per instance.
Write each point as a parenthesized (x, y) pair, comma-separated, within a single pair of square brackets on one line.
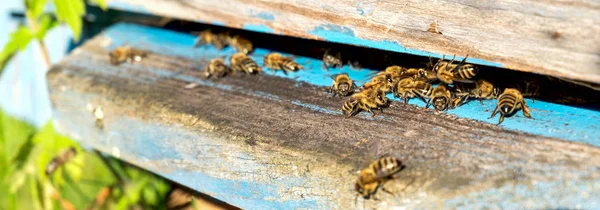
[(60, 159), (376, 174), (126, 54), (447, 72), (382, 80), (509, 102), (442, 98), (342, 85), (276, 61), (216, 69), (366, 100), (241, 44), (240, 62), (410, 87), (330, 61), (207, 37)]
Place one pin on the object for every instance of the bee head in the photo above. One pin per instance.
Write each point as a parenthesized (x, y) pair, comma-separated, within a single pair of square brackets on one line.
[(440, 103), (344, 87)]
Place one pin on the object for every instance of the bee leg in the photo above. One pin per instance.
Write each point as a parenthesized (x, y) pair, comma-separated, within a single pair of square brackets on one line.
[(326, 67), (422, 99), (427, 104), (405, 100), (501, 119), (532, 100), (526, 111), (481, 101), (494, 112)]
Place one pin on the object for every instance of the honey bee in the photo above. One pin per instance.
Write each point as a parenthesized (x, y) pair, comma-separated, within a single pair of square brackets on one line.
[(411, 87), (276, 61), (240, 62), (216, 68), (447, 72), (433, 28), (205, 37), (382, 81), (509, 102), (366, 100), (241, 44), (126, 54), (442, 98), (332, 61), (342, 85), (60, 160), (376, 174), (419, 73)]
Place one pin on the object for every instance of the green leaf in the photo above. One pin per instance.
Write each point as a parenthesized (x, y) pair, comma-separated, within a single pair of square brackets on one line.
[(18, 41), (71, 11), (45, 23), (35, 7), (150, 196), (101, 3), (15, 134)]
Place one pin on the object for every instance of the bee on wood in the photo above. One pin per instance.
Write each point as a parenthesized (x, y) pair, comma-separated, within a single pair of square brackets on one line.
[(342, 85), (382, 81), (60, 160), (481, 89), (411, 87), (241, 44), (376, 174), (447, 72), (240, 62), (126, 54), (330, 61), (216, 69), (276, 61), (366, 100), (509, 102), (420, 74), (207, 37), (433, 28), (442, 98)]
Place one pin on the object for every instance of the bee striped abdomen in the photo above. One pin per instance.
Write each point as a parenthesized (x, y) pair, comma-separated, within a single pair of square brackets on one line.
[(386, 166), (506, 102), (467, 71), (349, 107)]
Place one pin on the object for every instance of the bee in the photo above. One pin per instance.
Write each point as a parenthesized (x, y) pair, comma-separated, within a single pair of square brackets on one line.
[(382, 81), (376, 174), (342, 85), (447, 72), (366, 100), (60, 159), (332, 61), (419, 73), (126, 54), (219, 41), (241, 44), (443, 98), (433, 28), (216, 68), (411, 87), (509, 102), (240, 62), (276, 61)]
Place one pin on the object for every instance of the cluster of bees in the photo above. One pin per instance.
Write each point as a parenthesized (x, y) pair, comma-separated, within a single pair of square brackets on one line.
[(240, 61), (457, 84)]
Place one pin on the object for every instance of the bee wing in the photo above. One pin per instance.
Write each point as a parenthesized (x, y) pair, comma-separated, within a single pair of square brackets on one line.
[(462, 80)]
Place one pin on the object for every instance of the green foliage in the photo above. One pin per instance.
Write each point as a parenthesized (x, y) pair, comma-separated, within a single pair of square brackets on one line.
[(18, 40), (25, 154), (70, 12)]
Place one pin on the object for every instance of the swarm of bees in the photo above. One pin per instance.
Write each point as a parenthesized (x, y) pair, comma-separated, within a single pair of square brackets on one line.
[(456, 81)]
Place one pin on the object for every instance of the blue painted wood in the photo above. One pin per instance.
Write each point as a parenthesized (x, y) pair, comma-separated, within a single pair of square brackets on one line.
[(551, 120)]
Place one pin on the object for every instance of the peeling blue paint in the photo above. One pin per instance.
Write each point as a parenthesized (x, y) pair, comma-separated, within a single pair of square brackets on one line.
[(128, 7), (217, 23), (259, 28), (551, 120), (343, 34), (263, 15)]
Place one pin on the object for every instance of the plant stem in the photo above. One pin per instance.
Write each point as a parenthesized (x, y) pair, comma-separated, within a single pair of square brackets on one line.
[(34, 27)]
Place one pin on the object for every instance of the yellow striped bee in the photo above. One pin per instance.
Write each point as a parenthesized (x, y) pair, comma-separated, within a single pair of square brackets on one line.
[(509, 102), (240, 62), (60, 160), (366, 100), (276, 61), (330, 61), (419, 73), (216, 69), (342, 85), (410, 87), (207, 37), (481, 89), (448, 72), (443, 98), (126, 54), (383, 81), (377, 173), (241, 44)]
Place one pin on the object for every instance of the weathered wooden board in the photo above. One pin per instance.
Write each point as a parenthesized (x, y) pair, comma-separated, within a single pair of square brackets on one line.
[(267, 142), (547, 37)]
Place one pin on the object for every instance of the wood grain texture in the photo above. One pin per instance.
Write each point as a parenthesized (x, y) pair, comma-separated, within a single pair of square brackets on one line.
[(550, 37), (265, 142)]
